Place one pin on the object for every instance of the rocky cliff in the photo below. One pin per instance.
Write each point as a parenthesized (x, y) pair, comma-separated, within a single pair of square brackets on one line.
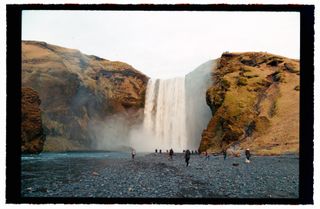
[(32, 136), (79, 91), (254, 102)]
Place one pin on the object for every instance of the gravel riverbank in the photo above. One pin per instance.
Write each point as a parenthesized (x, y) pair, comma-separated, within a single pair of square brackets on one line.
[(154, 175)]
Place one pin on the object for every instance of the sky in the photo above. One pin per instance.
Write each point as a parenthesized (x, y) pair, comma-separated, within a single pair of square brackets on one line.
[(165, 44)]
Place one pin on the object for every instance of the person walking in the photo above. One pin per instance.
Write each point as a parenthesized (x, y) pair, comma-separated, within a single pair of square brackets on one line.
[(171, 153), (248, 155), (224, 154), (187, 157), (207, 155), (133, 153)]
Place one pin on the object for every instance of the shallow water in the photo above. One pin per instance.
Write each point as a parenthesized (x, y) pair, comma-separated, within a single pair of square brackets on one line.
[(54, 169), (47, 156)]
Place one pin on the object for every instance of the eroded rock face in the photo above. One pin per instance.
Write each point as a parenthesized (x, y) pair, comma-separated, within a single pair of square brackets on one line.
[(32, 136), (255, 103), (78, 89)]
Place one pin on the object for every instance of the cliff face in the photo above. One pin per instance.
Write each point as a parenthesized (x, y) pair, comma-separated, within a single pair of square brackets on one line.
[(78, 89), (198, 113), (32, 136), (254, 102)]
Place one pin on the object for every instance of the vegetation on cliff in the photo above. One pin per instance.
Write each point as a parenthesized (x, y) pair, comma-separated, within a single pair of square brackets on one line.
[(254, 101), (77, 89)]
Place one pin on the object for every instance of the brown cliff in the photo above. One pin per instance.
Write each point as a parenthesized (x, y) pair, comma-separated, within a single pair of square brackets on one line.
[(76, 89), (32, 136), (254, 101)]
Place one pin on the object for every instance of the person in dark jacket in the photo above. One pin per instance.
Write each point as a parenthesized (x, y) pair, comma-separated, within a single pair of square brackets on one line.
[(171, 153), (187, 157), (248, 154), (224, 154)]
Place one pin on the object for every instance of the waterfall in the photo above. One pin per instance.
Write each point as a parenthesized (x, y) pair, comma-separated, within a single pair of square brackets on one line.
[(175, 112), (165, 113)]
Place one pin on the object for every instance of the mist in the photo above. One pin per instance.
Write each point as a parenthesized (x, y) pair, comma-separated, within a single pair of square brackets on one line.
[(111, 134), (116, 133), (142, 140)]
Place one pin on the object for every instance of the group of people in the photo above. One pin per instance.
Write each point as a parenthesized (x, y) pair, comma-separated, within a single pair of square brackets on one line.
[(187, 154)]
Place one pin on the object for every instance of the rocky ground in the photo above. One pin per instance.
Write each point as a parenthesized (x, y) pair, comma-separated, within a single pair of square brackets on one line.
[(154, 175)]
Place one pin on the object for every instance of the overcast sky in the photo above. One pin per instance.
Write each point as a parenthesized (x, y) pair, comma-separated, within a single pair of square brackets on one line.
[(165, 44)]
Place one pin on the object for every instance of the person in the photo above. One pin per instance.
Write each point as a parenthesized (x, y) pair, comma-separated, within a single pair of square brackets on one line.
[(224, 154), (207, 155), (133, 153), (156, 151), (160, 151), (191, 151), (187, 157), (248, 155), (171, 153)]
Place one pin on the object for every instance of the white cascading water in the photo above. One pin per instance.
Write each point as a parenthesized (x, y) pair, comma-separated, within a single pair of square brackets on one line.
[(175, 112), (165, 113)]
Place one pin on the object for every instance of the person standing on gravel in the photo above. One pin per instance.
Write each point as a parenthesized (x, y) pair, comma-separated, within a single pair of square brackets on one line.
[(248, 155), (133, 153), (207, 155), (224, 154), (171, 153), (187, 157)]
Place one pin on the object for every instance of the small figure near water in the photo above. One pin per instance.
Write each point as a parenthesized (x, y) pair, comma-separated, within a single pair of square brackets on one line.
[(160, 151), (171, 153), (248, 155), (156, 151), (224, 154), (133, 153), (187, 157), (207, 155)]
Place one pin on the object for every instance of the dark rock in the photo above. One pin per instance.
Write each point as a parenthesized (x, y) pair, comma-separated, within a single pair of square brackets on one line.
[(250, 62), (276, 76), (290, 68), (32, 135), (274, 63), (242, 81)]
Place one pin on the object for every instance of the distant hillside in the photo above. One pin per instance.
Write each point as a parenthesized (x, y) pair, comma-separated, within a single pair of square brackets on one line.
[(79, 90), (254, 102)]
